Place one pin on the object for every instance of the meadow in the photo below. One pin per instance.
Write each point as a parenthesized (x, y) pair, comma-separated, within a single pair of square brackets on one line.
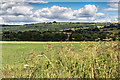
[(60, 59)]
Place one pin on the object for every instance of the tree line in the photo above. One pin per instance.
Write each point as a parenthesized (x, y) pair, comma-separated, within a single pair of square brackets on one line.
[(66, 35)]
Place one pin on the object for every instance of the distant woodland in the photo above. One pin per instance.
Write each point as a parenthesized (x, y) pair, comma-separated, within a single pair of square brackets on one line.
[(62, 32)]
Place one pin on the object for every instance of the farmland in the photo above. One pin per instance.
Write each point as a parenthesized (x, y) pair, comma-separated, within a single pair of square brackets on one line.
[(60, 59), (53, 39), (61, 50), (61, 31)]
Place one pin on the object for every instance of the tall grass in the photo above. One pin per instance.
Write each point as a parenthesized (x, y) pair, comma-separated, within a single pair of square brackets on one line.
[(99, 60)]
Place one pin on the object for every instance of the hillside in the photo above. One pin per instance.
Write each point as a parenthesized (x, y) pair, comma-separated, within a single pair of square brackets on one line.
[(57, 31), (54, 26)]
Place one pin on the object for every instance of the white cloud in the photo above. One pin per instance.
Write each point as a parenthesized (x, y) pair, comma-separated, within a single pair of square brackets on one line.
[(15, 8), (57, 12), (13, 12), (1, 20), (106, 18), (100, 14), (19, 18), (110, 9), (114, 0), (33, 1), (113, 6), (37, 1), (23, 13), (87, 11)]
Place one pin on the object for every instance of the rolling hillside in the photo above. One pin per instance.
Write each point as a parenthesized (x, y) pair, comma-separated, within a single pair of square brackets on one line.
[(53, 26)]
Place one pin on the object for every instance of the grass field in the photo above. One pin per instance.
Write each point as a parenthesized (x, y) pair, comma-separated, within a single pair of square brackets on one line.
[(17, 51), (60, 59)]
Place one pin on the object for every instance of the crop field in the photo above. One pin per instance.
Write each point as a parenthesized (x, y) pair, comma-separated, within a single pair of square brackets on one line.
[(60, 59)]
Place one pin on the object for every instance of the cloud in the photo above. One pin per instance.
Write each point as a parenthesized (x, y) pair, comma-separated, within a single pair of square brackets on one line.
[(114, 0), (27, 1), (15, 8), (56, 12), (110, 9), (37, 1), (87, 11), (23, 13), (16, 12), (21, 19), (1, 20), (86, 14), (106, 19), (100, 14), (113, 6)]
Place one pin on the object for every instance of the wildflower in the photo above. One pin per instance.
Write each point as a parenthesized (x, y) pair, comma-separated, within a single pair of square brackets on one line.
[(62, 47), (58, 48), (112, 35), (91, 46), (49, 47), (72, 49), (67, 45), (26, 65), (98, 51), (107, 34), (42, 53), (66, 48), (33, 54), (32, 66), (48, 44), (71, 45), (58, 58)]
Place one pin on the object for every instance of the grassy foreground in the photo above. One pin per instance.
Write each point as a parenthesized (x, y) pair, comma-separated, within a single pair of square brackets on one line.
[(60, 60)]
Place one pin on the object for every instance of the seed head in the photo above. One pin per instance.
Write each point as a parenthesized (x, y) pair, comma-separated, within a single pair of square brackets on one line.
[(42, 53)]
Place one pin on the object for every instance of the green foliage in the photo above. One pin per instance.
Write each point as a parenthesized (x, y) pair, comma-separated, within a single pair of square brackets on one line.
[(78, 35)]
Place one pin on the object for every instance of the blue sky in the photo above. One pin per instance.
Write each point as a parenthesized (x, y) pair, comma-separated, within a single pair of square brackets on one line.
[(78, 0), (58, 10)]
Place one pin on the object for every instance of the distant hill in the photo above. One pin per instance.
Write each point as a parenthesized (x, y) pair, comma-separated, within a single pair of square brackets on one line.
[(64, 31), (58, 26)]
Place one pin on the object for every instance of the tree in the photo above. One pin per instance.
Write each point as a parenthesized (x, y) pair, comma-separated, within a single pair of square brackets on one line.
[(54, 22)]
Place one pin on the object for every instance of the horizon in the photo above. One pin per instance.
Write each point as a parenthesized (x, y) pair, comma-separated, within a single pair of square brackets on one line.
[(51, 22)]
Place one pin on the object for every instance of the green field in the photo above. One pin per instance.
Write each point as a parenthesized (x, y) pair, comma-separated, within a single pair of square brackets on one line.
[(60, 60), (14, 53)]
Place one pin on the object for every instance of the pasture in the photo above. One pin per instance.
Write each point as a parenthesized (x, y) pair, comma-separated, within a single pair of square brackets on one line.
[(60, 59)]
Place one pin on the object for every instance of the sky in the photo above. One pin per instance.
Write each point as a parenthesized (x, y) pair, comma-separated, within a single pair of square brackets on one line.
[(22, 12)]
